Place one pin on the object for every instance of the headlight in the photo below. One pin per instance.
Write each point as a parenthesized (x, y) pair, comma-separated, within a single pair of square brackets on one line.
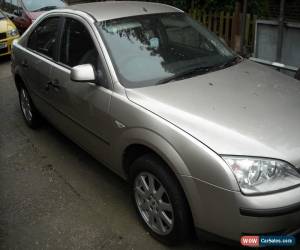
[(13, 32), (258, 175)]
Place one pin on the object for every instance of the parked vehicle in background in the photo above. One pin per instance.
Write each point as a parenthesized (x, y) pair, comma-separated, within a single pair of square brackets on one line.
[(24, 12), (206, 139), (8, 32)]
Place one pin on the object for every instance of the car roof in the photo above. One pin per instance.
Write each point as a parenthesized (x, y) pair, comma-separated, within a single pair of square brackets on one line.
[(117, 9)]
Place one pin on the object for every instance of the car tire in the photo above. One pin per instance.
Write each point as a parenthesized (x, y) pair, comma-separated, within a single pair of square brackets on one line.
[(29, 112), (163, 210)]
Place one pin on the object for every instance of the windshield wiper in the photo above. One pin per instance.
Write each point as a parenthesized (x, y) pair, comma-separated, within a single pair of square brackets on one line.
[(188, 73), (200, 70), (46, 8)]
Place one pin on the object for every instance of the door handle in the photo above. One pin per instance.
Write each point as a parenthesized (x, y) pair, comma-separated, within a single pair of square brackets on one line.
[(54, 83), (24, 64)]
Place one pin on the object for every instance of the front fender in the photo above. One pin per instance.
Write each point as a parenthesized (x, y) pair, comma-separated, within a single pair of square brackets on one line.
[(168, 153), (184, 154)]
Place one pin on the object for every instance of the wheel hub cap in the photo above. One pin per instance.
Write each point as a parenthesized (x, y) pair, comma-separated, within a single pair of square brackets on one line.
[(154, 204), (25, 105)]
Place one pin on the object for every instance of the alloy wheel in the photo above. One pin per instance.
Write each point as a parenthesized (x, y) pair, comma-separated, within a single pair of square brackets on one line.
[(25, 105), (153, 203)]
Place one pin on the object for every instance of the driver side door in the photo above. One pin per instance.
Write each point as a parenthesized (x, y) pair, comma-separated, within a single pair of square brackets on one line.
[(82, 107)]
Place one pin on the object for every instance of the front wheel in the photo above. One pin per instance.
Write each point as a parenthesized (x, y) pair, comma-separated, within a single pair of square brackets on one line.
[(159, 200)]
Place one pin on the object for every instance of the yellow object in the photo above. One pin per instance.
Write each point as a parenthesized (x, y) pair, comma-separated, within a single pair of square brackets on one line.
[(8, 33)]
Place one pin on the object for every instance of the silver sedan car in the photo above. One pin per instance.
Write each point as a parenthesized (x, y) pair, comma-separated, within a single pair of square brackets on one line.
[(208, 141)]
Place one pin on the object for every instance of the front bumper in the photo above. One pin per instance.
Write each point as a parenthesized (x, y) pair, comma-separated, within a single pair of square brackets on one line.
[(230, 214), (8, 45)]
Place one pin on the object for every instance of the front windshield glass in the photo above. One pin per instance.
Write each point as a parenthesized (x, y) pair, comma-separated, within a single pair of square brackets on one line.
[(38, 5), (147, 49)]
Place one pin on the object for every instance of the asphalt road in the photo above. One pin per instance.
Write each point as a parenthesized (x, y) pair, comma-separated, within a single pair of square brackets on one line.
[(53, 195)]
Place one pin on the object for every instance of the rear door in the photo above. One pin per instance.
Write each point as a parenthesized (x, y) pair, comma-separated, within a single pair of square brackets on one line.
[(83, 107), (38, 60)]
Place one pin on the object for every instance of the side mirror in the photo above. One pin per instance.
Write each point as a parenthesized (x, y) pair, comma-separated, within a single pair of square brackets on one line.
[(83, 73), (17, 12)]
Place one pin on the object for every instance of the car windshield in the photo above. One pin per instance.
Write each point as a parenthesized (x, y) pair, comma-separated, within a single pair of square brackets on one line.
[(153, 49), (38, 5)]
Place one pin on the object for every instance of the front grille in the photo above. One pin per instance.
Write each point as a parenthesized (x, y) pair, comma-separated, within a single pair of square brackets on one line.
[(3, 51), (2, 36)]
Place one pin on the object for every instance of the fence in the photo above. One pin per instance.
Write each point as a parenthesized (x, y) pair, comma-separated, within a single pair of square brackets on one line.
[(227, 25)]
